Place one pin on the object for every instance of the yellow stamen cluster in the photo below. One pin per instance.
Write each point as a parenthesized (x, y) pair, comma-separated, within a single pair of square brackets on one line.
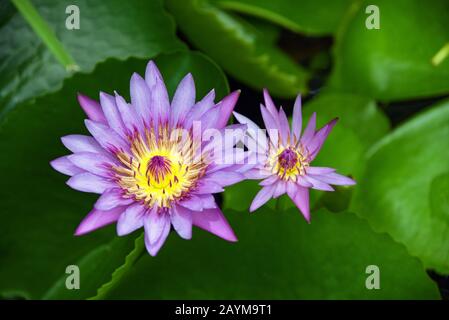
[(288, 162), (159, 169)]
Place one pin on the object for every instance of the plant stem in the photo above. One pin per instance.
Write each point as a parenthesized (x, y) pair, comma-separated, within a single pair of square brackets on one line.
[(47, 35), (442, 54)]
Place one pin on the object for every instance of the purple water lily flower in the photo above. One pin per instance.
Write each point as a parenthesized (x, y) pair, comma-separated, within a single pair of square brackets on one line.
[(284, 157), (146, 176)]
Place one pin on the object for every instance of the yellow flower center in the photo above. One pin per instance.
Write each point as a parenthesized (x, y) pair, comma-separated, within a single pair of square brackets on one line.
[(288, 162), (159, 170)]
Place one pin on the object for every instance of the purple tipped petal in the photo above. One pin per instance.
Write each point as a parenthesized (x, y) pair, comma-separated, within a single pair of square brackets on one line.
[(300, 196), (208, 187), (65, 166), (110, 199), (304, 182), (92, 108), (314, 146), (284, 127), (262, 197), (335, 178), (140, 98), (81, 143), (200, 108), (309, 131), (297, 118), (254, 131), (210, 118), (107, 138), (157, 226), (192, 202), (319, 170), (213, 221), (226, 107), (271, 125), (97, 219), (207, 201), (181, 219), (132, 122), (111, 113), (268, 181), (280, 189), (318, 185), (183, 100), (270, 104), (95, 163), (131, 219), (88, 182), (225, 178), (159, 97)]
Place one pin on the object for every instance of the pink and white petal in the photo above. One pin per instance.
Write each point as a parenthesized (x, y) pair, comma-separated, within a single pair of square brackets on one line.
[(181, 219), (226, 106), (112, 198), (309, 132), (300, 196), (92, 108), (265, 194), (81, 143), (107, 138), (88, 182), (318, 185), (213, 221), (132, 122), (335, 178), (112, 114), (297, 118), (140, 98), (95, 163), (97, 219), (183, 100), (131, 219), (65, 166)]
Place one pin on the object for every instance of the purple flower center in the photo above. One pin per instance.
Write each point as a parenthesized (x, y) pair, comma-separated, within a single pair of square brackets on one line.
[(288, 159), (159, 167)]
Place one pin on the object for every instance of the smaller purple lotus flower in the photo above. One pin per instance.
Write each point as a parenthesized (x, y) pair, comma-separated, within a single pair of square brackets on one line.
[(284, 157)]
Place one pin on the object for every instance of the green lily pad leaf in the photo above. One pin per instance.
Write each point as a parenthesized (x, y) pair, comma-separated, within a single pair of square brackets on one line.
[(238, 47), (399, 190), (280, 256), (97, 265), (39, 212), (439, 197), (28, 69), (311, 17), (395, 61)]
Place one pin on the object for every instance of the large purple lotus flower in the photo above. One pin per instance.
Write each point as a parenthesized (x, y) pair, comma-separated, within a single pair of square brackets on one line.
[(147, 175), (284, 158)]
